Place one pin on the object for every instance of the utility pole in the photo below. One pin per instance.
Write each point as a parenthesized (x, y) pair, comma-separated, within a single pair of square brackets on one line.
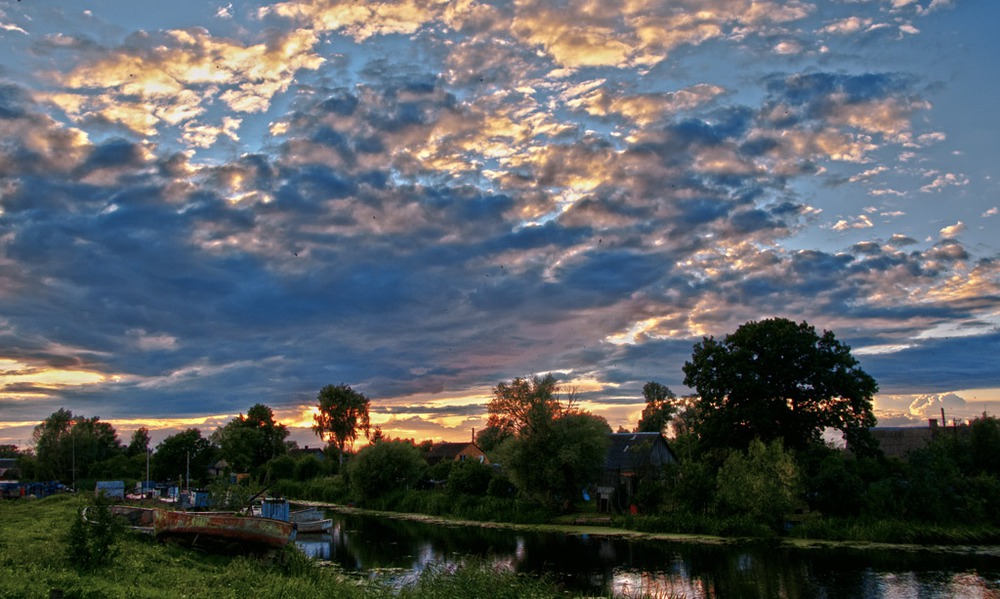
[(189, 471)]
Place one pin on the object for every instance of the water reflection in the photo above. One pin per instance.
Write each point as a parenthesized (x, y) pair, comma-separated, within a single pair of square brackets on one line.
[(600, 565)]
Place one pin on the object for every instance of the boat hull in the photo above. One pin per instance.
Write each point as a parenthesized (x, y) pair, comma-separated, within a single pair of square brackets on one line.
[(232, 531), (221, 527), (315, 526)]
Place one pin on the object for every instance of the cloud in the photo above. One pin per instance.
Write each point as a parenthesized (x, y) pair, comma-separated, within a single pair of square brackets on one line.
[(847, 26), (860, 222), (925, 405), (425, 199), (944, 180), (168, 78), (952, 231)]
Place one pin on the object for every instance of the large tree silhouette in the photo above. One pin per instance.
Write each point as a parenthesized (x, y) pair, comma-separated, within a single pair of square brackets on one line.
[(776, 379)]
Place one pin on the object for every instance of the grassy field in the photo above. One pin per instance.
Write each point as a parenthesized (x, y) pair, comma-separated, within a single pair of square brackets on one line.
[(33, 562)]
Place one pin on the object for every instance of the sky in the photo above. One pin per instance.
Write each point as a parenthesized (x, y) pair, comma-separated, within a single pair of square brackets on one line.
[(204, 206)]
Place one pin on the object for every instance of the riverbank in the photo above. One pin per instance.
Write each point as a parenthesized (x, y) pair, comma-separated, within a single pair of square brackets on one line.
[(607, 530), (33, 563)]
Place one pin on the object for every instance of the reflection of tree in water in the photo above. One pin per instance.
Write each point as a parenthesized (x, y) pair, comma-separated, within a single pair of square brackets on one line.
[(370, 543), (601, 565)]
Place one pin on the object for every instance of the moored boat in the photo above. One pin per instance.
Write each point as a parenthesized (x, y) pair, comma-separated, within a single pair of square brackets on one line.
[(248, 531), (310, 520), (315, 526), (220, 528)]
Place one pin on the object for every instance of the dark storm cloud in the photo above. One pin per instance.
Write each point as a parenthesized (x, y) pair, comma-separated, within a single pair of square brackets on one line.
[(817, 94), (942, 361)]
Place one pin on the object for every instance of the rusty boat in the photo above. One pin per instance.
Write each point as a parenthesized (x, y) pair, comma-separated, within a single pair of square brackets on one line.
[(226, 529)]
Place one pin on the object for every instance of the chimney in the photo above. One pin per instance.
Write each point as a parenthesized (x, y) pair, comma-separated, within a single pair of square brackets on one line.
[(473, 434), (932, 422)]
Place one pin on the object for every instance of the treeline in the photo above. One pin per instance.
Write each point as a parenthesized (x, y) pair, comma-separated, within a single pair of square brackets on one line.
[(751, 456), (79, 450)]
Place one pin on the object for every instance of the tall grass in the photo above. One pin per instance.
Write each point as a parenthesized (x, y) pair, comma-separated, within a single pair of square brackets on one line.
[(33, 562), (896, 531)]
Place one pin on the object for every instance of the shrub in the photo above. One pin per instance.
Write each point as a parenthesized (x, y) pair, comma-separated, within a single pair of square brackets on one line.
[(93, 536), (307, 468), (469, 477), (385, 466)]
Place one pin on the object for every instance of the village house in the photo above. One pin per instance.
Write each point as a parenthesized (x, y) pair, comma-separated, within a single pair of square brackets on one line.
[(630, 458), (456, 452), (316, 452)]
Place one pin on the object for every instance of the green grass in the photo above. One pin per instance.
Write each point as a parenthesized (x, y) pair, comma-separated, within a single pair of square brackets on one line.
[(33, 561), (896, 531)]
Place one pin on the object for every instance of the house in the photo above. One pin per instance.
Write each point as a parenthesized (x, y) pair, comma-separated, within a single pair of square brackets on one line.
[(456, 452), (630, 458), (316, 452), (218, 468)]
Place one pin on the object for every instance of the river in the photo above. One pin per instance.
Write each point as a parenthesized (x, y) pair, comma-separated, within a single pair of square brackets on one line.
[(596, 565)]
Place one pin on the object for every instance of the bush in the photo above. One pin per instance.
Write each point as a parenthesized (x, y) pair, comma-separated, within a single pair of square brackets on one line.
[(93, 536), (385, 466), (469, 477), (762, 485), (307, 468)]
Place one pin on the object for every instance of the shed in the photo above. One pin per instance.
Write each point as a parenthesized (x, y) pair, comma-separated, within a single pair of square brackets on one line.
[(111, 489), (630, 458), (631, 452)]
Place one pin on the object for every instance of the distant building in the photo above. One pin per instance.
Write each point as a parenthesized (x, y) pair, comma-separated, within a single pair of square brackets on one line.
[(7, 464), (111, 489), (899, 441), (456, 452), (218, 468), (630, 457), (316, 452)]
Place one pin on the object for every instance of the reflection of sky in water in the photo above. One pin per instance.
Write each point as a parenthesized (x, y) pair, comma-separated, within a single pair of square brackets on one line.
[(318, 547), (630, 583), (398, 552)]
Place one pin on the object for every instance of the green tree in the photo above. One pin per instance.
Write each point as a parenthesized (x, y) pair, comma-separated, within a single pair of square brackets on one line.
[(552, 463), (763, 484), (67, 446), (53, 446), (984, 443), (553, 450), (139, 443), (175, 454), (776, 379), (343, 412), (522, 405), (248, 442), (660, 408), (384, 467), (491, 437)]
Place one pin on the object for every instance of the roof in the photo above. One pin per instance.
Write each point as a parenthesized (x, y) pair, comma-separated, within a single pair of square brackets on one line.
[(8, 462), (623, 454), (449, 451)]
